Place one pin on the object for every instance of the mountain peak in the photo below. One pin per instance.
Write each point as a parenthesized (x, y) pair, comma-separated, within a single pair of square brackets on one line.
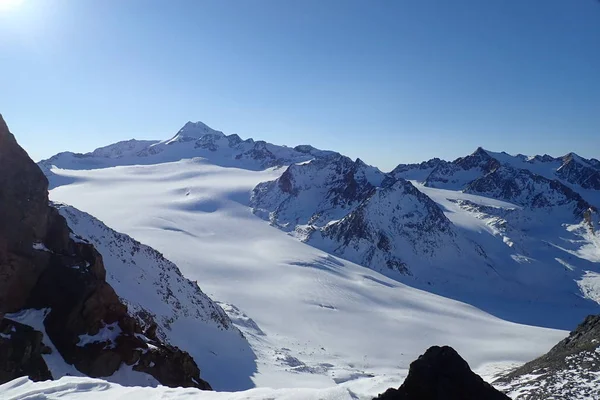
[(193, 131), (480, 151)]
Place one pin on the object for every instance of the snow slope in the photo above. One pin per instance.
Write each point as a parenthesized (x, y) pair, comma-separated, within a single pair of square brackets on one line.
[(313, 320), (92, 389), (153, 288)]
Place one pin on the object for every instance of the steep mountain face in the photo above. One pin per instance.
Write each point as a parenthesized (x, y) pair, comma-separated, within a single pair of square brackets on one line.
[(42, 266), (570, 370), (194, 139), (461, 171), (576, 170), (392, 227), (442, 374), (315, 193)]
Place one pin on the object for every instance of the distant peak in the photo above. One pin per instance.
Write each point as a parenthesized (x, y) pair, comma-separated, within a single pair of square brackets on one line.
[(193, 130), (480, 151), (573, 157)]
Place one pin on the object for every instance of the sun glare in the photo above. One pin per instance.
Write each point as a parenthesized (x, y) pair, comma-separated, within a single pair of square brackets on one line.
[(6, 5)]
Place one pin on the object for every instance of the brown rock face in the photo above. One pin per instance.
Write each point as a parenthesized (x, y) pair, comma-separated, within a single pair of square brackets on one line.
[(23, 221), (42, 267)]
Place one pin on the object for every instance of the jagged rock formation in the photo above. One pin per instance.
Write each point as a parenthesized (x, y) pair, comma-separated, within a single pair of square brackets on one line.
[(570, 370), (42, 266), (489, 173), (391, 223), (442, 374), (21, 350), (522, 187)]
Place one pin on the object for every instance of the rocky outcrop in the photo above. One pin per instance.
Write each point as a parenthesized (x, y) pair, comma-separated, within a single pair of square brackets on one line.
[(570, 370), (442, 374), (21, 350), (42, 266)]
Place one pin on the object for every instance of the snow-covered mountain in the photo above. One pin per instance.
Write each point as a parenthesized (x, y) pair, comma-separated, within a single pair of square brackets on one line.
[(357, 212), (155, 291), (59, 311), (399, 228), (574, 172), (317, 192), (509, 241), (194, 139)]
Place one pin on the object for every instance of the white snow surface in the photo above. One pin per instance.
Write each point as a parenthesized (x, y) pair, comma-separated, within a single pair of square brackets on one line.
[(312, 319), (77, 388), (151, 285)]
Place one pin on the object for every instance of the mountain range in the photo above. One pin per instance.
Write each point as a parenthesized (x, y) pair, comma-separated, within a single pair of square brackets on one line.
[(488, 245)]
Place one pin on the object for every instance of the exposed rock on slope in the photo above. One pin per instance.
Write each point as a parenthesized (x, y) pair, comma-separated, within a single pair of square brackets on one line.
[(41, 266), (391, 227), (355, 211), (442, 374), (570, 370), (522, 187), (483, 167), (316, 192)]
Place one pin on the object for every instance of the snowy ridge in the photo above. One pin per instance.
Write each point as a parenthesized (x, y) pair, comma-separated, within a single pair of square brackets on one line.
[(571, 170), (570, 370), (194, 139), (522, 187), (317, 192), (396, 227), (153, 288)]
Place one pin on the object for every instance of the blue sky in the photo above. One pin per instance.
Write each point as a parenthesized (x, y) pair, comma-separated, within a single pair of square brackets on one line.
[(387, 81)]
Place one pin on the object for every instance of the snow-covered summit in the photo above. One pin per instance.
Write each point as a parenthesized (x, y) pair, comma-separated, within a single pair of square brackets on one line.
[(193, 131), (193, 140)]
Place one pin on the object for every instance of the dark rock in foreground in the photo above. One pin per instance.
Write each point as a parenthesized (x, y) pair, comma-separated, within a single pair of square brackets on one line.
[(442, 374)]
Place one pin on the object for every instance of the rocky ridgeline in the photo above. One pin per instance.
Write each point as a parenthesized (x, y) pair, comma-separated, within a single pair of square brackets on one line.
[(533, 182), (41, 266), (570, 370)]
